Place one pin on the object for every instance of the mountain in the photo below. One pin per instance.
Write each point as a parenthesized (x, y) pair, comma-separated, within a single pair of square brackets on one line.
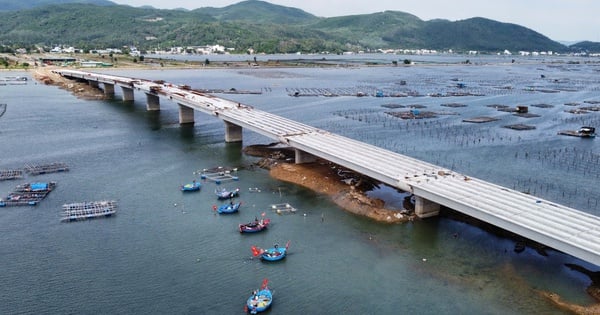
[(16, 5), (586, 46), (254, 11), (259, 25)]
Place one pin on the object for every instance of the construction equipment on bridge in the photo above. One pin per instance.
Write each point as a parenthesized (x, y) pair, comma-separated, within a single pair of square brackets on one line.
[(87, 210)]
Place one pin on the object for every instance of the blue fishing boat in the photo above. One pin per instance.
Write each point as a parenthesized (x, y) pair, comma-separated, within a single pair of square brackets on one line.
[(193, 186), (228, 208), (261, 299), (275, 253), (227, 194)]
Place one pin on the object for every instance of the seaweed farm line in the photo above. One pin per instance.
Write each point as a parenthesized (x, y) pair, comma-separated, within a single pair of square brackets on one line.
[(88, 210), (36, 169), (11, 174)]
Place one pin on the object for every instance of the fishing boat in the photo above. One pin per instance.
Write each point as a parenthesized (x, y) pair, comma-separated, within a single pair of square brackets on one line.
[(227, 194), (2, 109), (193, 186), (261, 299), (228, 208), (254, 226), (271, 254)]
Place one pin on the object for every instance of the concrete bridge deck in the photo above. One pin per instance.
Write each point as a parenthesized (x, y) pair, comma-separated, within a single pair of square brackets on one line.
[(565, 229)]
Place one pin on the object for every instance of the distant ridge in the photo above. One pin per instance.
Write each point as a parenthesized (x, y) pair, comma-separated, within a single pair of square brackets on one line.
[(257, 25)]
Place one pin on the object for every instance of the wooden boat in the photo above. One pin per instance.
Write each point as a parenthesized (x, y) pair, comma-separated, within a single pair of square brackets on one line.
[(271, 254), (193, 186), (255, 226), (228, 208), (261, 299), (227, 194)]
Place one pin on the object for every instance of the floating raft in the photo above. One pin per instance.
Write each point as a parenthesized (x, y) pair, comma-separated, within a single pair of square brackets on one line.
[(283, 208), (88, 210), (10, 174), (583, 132), (46, 168), (27, 194), (219, 174)]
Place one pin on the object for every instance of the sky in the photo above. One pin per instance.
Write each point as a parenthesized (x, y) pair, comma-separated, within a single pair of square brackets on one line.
[(559, 20)]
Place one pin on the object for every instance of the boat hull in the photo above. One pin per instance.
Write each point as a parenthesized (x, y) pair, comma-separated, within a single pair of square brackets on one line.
[(191, 187), (273, 254), (229, 208), (260, 301), (254, 227)]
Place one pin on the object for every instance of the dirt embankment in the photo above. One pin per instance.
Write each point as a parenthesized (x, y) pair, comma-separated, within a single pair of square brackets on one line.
[(79, 89), (324, 177)]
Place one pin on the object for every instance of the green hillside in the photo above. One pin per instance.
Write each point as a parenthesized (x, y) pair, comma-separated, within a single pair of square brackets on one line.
[(259, 25)]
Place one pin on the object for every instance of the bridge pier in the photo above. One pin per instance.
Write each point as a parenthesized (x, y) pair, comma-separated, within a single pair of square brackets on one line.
[(127, 94), (109, 89), (94, 84), (152, 102), (425, 208), (303, 157), (233, 132), (186, 114)]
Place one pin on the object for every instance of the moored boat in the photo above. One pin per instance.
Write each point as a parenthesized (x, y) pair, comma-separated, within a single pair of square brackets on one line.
[(261, 299), (228, 208), (271, 254), (227, 194), (254, 226), (193, 186)]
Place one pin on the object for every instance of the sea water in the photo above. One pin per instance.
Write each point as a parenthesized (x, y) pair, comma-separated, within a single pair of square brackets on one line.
[(167, 252)]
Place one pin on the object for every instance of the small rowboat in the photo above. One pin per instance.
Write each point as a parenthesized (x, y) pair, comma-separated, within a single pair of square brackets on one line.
[(261, 299), (227, 194), (255, 226), (228, 208), (193, 186), (271, 254)]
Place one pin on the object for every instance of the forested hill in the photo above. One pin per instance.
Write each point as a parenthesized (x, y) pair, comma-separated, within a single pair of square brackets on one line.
[(259, 25)]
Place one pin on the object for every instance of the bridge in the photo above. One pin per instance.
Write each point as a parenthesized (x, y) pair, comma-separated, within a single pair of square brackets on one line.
[(565, 229)]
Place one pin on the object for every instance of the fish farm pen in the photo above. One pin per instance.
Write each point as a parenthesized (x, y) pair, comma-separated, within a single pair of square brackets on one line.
[(87, 210), (11, 174), (218, 174), (46, 168), (27, 194), (282, 208)]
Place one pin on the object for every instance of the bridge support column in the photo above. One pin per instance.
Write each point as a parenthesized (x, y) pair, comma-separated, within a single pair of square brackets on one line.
[(233, 132), (93, 84), (152, 102), (109, 89), (303, 157), (425, 208), (186, 114), (127, 94)]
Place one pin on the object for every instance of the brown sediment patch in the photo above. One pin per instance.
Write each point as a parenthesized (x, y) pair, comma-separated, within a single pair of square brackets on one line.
[(321, 177), (79, 89), (324, 177)]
